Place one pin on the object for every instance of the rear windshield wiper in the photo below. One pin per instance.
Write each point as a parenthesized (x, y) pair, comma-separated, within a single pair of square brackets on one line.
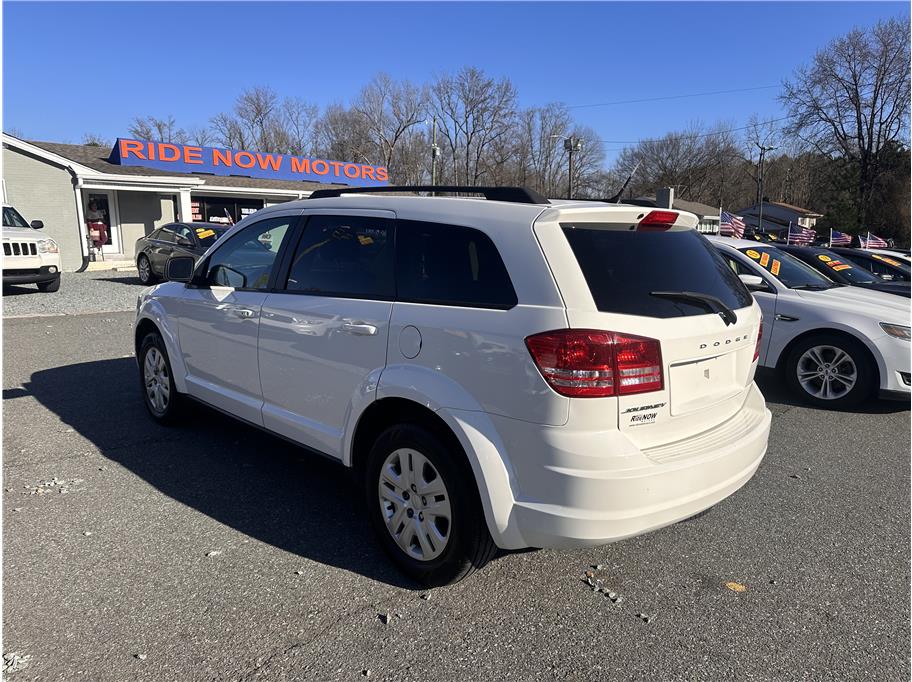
[(711, 303)]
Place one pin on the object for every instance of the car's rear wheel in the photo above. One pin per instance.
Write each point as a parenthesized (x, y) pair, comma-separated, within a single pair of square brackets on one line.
[(424, 507), (831, 371), (157, 380), (144, 268), (50, 287)]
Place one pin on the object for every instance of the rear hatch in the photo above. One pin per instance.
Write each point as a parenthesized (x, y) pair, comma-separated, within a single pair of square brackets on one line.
[(642, 273)]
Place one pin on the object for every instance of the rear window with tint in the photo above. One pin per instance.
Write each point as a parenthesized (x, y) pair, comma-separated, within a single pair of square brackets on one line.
[(623, 267)]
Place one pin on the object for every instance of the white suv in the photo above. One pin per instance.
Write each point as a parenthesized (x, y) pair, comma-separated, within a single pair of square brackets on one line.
[(499, 373), (28, 257)]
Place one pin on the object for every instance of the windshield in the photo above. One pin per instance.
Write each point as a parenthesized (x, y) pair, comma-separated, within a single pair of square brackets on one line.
[(844, 270), (11, 218), (209, 234), (655, 274), (787, 269)]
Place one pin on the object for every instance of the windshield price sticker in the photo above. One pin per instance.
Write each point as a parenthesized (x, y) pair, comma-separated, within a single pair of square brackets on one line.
[(825, 258), (752, 254), (775, 267), (203, 232), (885, 259), (765, 259), (837, 268)]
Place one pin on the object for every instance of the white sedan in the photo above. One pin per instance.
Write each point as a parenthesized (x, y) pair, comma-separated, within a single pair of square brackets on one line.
[(836, 345)]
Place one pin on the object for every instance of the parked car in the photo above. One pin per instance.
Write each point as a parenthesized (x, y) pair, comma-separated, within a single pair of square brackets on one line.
[(836, 345), (902, 255), (499, 373), (884, 266), (175, 239), (28, 257), (840, 269)]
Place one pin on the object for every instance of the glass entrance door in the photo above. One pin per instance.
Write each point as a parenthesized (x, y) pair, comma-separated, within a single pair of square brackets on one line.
[(101, 220)]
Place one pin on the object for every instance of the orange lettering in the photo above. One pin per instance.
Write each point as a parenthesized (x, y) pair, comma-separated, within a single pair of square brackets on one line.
[(193, 155), (221, 157), (134, 147), (367, 172), (336, 165), (246, 155), (165, 147), (300, 165), (269, 160), (354, 171), (381, 174), (323, 164)]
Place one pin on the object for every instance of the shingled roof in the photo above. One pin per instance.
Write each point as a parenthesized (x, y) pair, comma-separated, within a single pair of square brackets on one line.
[(96, 158)]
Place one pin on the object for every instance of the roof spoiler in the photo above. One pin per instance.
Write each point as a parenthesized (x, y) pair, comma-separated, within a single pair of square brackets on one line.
[(515, 195)]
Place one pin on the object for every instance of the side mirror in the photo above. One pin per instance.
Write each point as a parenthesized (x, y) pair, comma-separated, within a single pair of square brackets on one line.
[(754, 282), (180, 268), (37, 224)]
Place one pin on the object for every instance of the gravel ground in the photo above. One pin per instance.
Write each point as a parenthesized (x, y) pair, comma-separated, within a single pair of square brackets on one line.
[(214, 552), (80, 292)]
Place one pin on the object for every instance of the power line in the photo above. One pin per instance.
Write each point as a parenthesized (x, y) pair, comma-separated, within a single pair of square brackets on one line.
[(697, 135), (667, 97)]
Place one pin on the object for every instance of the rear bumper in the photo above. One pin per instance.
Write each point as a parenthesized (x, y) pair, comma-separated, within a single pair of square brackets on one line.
[(613, 491), (31, 276)]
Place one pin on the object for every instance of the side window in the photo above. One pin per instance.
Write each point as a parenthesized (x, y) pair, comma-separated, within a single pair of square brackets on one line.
[(166, 234), (184, 232), (344, 256), (246, 260), (450, 265), (154, 234)]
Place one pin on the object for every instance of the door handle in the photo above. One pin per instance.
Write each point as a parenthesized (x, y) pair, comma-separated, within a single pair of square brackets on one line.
[(359, 328), (244, 313)]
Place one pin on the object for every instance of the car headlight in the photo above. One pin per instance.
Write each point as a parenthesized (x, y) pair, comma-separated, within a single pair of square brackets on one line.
[(896, 330), (47, 246)]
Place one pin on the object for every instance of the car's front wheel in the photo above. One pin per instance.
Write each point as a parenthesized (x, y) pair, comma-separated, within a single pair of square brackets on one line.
[(424, 507), (157, 380), (830, 370), (50, 287), (144, 268)]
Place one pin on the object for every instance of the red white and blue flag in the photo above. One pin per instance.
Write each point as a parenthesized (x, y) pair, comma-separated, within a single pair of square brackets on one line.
[(840, 238), (872, 242), (731, 225), (802, 236)]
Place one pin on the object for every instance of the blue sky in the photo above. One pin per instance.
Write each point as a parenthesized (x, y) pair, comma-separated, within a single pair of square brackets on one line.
[(74, 68)]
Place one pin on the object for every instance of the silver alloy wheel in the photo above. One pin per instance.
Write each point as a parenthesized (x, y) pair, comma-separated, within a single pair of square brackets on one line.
[(415, 504), (158, 384), (145, 270), (827, 372)]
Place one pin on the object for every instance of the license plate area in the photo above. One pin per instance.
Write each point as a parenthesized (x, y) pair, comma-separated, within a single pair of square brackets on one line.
[(697, 384)]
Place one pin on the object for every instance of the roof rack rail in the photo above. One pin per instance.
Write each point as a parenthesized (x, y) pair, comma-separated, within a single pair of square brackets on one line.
[(515, 195)]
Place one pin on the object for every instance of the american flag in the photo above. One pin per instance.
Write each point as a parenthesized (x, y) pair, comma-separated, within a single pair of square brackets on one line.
[(872, 242), (802, 236), (731, 225), (840, 238)]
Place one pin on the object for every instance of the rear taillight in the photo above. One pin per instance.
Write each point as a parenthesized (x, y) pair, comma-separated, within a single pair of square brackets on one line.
[(759, 338), (590, 363), (657, 221)]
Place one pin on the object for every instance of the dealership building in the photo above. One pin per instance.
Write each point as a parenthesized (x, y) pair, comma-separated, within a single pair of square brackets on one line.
[(138, 186)]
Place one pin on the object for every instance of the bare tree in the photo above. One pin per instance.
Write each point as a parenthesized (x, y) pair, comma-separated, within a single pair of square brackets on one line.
[(158, 129), (262, 121), (388, 110), (96, 140), (853, 101)]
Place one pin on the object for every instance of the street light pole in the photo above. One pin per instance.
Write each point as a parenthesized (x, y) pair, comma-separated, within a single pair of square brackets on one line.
[(571, 145)]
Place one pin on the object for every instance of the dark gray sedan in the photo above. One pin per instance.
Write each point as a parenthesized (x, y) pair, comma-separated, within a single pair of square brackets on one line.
[(175, 239)]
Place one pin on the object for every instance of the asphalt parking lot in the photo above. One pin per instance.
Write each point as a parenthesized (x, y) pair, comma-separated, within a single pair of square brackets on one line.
[(215, 552)]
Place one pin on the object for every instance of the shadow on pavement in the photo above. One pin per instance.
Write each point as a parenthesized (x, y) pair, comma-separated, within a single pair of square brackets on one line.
[(775, 391), (236, 474), (20, 289), (126, 279)]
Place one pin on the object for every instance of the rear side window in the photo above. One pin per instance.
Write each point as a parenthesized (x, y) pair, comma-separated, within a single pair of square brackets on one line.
[(347, 256), (624, 268), (450, 265)]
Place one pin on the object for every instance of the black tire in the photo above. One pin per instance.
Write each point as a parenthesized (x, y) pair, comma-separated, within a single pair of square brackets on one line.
[(173, 408), (50, 287), (469, 544), (867, 377), (149, 276)]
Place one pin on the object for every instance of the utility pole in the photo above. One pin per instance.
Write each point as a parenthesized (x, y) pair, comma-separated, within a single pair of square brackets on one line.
[(763, 151), (435, 152), (571, 145)]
